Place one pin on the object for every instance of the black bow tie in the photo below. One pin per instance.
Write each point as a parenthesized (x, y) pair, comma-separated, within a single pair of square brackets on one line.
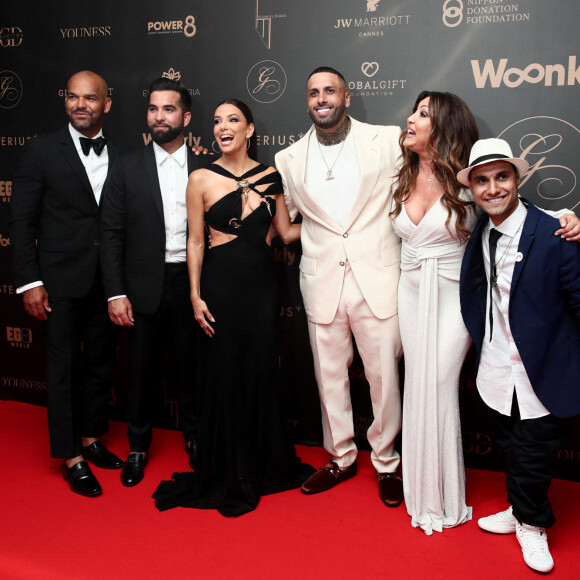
[(97, 144)]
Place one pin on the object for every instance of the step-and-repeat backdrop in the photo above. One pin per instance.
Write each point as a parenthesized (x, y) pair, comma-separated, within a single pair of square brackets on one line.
[(515, 63)]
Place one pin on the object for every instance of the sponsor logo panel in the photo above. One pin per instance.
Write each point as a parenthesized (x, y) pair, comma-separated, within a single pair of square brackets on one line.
[(187, 27), (372, 84), (15, 140), (369, 21), (477, 443), (266, 81), (10, 89), (18, 337), (23, 383), (78, 32), (469, 12), (11, 36), (5, 191), (497, 73), (543, 142), (277, 140), (265, 15)]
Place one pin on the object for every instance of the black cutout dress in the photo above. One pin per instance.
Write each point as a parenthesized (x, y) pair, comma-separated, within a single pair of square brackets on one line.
[(244, 448)]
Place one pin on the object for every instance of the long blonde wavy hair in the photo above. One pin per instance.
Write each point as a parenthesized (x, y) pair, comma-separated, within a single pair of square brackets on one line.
[(453, 133)]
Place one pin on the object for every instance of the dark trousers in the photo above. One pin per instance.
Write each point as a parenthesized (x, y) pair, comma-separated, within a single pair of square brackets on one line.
[(78, 393), (172, 324), (530, 447)]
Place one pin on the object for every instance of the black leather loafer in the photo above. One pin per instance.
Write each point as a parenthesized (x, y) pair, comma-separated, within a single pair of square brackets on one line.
[(390, 488), (132, 472), (327, 477), (81, 479), (100, 456)]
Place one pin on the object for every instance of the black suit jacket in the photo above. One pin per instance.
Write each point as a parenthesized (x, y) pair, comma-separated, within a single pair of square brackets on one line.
[(55, 217), (544, 308), (132, 232)]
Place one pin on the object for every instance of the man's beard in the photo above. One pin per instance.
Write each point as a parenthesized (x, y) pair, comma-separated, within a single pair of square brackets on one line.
[(84, 123), (331, 120), (162, 136)]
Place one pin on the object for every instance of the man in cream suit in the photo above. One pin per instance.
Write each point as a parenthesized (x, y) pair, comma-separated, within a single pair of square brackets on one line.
[(338, 176)]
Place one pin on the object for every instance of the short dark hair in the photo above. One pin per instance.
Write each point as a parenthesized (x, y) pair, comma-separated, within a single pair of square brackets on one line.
[(327, 69), (163, 84)]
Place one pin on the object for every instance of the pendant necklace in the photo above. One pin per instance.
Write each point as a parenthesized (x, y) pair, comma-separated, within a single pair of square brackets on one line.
[(329, 175)]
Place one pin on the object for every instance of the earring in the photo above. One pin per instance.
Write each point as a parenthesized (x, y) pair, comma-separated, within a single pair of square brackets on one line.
[(213, 148), (247, 144)]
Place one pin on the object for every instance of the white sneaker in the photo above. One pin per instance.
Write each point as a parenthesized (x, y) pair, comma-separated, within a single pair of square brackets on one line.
[(534, 544), (501, 523)]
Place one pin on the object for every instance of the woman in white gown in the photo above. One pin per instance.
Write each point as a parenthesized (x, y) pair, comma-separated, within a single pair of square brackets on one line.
[(434, 217)]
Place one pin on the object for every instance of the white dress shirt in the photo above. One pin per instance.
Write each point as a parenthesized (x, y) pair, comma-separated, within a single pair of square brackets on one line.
[(96, 166), (173, 176), (501, 369), (337, 195)]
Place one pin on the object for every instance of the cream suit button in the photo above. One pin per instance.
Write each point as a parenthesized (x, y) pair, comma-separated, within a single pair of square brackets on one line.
[(341, 263), (345, 235)]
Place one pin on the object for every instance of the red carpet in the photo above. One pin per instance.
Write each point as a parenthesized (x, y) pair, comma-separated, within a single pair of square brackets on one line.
[(47, 532)]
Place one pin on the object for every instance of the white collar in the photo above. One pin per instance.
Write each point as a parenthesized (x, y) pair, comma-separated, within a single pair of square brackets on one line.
[(76, 135), (161, 155), (512, 224)]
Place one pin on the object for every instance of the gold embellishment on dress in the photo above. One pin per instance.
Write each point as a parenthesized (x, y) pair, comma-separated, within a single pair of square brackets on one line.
[(244, 187), (267, 202)]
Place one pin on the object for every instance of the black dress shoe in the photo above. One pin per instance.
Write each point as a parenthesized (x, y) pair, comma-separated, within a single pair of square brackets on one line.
[(132, 472), (191, 450), (81, 479), (327, 477), (100, 456), (390, 488)]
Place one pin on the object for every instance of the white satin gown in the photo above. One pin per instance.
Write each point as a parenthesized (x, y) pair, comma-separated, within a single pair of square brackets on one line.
[(435, 343)]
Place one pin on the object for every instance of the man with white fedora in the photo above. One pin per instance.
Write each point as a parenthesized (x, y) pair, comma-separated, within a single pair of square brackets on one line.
[(520, 300)]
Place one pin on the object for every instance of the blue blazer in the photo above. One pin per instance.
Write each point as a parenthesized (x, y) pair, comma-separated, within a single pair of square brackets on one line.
[(544, 311)]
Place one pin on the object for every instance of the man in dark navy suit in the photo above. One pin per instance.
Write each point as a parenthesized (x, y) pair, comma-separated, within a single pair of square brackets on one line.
[(520, 299), (55, 249), (143, 239)]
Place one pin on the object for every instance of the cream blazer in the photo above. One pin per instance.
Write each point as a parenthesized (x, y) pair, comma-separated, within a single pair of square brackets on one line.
[(368, 242)]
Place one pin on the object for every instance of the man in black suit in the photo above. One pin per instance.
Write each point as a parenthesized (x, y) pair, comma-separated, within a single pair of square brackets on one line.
[(143, 240), (54, 238)]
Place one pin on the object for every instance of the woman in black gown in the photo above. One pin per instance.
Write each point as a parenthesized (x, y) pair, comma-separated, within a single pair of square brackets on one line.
[(244, 450)]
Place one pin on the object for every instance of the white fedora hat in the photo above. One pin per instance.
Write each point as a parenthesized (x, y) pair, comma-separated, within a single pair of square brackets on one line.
[(488, 150)]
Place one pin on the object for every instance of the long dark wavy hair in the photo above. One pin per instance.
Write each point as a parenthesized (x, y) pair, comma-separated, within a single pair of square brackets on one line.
[(453, 133), (253, 147)]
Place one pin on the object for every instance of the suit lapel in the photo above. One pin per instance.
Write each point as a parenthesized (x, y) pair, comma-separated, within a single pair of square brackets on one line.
[(112, 152), (153, 178), (526, 241), (69, 152), (369, 159), (297, 166)]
